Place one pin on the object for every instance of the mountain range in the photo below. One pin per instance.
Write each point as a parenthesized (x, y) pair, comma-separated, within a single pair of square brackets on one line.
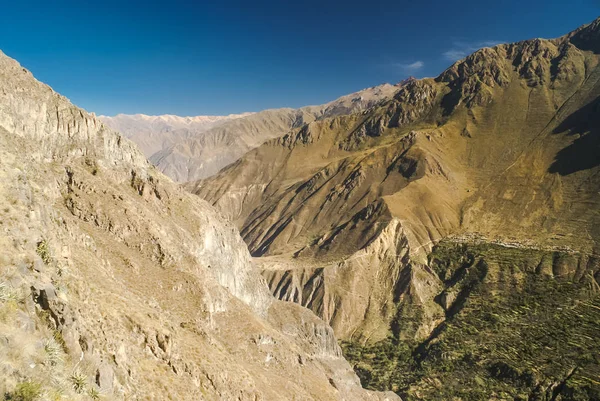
[(432, 240), (154, 133), (449, 235), (190, 148), (117, 284)]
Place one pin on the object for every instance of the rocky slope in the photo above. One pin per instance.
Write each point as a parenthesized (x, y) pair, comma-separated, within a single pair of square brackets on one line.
[(202, 155), (502, 149), (117, 284), (155, 133)]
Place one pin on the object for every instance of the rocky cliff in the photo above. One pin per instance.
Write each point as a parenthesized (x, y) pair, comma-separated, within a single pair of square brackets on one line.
[(346, 214), (117, 284)]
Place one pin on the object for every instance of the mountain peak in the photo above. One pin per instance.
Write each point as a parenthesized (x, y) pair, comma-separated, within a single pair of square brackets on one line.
[(406, 81), (587, 37)]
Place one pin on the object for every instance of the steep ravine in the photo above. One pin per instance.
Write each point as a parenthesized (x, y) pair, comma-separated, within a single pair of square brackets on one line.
[(117, 284), (357, 217), (360, 294)]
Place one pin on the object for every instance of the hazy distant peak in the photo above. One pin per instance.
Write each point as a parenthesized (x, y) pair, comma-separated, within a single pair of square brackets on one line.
[(153, 133), (360, 100), (173, 119)]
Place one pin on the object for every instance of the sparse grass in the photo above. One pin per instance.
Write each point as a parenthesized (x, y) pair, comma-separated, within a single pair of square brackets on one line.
[(79, 381), (43, 250), (25, 391), (56, 394), (8, 309), (58, 337), (54, 351), (62, 270), (94, 393), (8, 293)]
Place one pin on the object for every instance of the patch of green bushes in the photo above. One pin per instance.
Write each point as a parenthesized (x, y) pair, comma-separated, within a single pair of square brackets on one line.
[(517, 334), (25, 391), (43, 250)]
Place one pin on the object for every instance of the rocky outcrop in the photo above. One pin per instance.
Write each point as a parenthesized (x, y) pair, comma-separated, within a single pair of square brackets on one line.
[(33, 111), (360, 295), (117, 283)]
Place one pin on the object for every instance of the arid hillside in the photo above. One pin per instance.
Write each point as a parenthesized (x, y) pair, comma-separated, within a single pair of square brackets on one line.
[(438, 232), (115, 283)]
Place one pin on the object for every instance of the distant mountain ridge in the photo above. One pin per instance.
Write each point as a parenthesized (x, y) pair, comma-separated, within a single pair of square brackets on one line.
[(170, 121), (190, 148), (153, 133)]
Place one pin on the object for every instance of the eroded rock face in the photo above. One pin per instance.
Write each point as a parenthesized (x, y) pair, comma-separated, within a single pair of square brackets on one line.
[(379, 277), (114, 280), (33, 111)]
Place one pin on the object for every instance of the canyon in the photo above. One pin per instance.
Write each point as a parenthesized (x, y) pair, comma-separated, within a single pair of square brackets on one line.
[(463, 209), (436, 239), (117, 284)]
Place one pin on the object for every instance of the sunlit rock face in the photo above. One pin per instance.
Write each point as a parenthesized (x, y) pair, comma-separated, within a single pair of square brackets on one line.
[(116, 283)]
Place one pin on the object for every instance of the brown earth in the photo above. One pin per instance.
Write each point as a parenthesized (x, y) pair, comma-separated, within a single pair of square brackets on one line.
[(503, 146)]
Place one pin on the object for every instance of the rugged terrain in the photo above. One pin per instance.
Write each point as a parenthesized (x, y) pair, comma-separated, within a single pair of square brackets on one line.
[(203, 154), (117, 284), (450, 232)]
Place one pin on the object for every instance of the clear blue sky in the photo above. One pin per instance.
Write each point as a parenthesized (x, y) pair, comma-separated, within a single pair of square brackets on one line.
[(194, 58)]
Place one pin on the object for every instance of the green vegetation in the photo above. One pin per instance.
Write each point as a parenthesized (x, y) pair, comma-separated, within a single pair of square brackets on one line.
[(94, 393), (79, 381), (26, 391), (511, 333), (43, 251)]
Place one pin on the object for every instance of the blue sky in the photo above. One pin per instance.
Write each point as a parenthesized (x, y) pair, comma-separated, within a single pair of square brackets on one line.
[(199, 58)]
